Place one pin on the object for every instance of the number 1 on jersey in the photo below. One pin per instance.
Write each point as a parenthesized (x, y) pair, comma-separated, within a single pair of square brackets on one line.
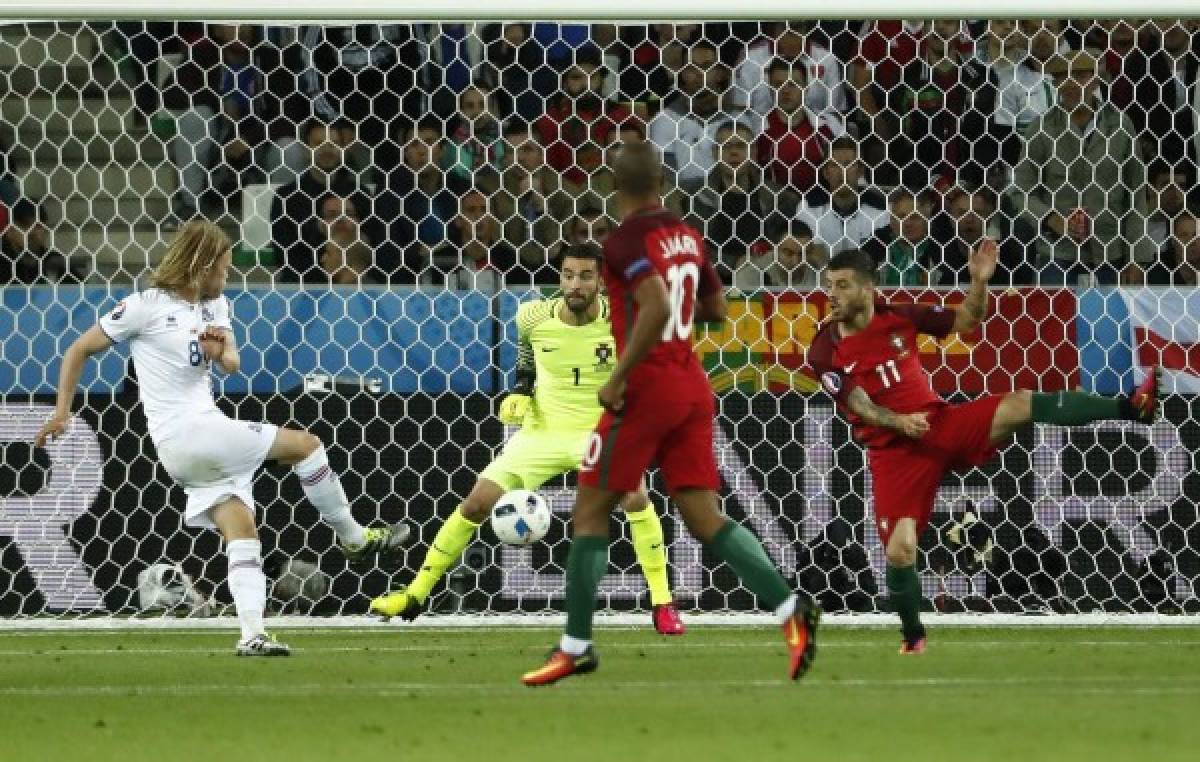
[(681, 297)]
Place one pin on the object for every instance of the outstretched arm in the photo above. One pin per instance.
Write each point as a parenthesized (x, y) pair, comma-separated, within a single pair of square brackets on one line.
[(93, 340), (982, 265), (913, 425)]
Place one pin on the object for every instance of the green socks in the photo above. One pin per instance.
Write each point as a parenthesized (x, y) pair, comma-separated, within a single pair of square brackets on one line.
[(904, 587), (586, 564), (445, 549), (651, 552), (1078, 408), (737, 547)]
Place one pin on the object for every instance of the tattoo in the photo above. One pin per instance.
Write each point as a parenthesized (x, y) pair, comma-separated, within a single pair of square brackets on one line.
[(862, 406)]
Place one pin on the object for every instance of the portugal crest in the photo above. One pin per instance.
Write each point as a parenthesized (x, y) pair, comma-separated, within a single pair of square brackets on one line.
[(604, 354)]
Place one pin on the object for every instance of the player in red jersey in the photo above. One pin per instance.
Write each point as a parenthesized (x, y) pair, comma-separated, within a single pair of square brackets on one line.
[(659, 408), (866, 357)]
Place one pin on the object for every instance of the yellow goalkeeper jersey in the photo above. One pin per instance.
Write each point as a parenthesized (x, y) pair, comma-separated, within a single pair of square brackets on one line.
[(572, 362)]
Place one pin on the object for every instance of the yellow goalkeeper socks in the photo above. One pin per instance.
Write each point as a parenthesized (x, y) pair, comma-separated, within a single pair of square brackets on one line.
[(651, 552), (445, 549)]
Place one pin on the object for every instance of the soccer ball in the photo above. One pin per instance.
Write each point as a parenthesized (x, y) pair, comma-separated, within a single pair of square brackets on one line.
[(521, 517)]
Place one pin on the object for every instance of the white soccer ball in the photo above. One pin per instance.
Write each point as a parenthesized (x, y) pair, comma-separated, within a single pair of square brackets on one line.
[(521, 517)]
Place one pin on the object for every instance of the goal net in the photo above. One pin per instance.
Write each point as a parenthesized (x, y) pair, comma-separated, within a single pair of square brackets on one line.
[(396, 191)]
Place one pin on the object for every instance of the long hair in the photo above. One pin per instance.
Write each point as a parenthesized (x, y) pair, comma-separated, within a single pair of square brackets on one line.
[(190, 256)]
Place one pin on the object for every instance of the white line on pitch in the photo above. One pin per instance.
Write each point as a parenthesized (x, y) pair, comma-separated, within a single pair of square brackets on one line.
[(1065, 684), (671, 646)]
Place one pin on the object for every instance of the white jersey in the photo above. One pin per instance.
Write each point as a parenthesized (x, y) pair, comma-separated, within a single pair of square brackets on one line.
[(163, 332)]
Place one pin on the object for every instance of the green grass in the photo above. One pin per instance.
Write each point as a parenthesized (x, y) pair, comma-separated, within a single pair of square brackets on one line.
[(717, 693)]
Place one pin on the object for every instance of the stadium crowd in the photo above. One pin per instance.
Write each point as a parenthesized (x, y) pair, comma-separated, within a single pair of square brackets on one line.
[(469, 154)]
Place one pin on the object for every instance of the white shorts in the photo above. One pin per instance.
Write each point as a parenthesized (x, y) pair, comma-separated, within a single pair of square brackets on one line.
[(214, 458)]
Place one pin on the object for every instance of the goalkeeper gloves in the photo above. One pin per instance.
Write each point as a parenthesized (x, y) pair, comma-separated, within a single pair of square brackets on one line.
[(514, 409)]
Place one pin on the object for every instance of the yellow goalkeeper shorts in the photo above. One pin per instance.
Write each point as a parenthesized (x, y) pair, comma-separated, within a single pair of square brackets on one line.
[(532, 457)]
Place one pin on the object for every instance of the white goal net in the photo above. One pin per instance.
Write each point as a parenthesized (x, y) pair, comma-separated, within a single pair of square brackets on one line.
[(396, 190)]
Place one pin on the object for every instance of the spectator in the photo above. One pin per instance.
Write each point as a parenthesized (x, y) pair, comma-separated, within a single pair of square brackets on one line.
[(456, 57), (352, 245), (1178, 263), (25, 253), (512, 57), (1026, 93), (904, 249), (1081, 182), (685, 129), (213, 90), (795, 140), (1119, 40), (10, 188), (474, 258), (577, 124), (589, 225), (473, 153), (1167, 93), (280, 110), (146, 42), (295, 217), (600, 190), (968, 217), (349, 251), (885, 48), (794, 260), (734, 205), (795, 43), (842, 214), (1000, 46), (1165, 200), (651, 57), (532, 205), (413, 201), (364, 74), (944, 100)]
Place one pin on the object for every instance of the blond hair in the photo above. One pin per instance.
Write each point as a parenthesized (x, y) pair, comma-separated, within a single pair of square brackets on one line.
[(190, 256)]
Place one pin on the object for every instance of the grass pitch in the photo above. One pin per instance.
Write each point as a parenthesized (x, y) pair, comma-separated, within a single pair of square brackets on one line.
[(717, 693)]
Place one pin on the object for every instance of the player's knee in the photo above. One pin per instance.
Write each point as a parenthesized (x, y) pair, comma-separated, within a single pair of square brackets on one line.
[(1020, 404), (634, 502), (901, 552), (308, 443), (475, 509)]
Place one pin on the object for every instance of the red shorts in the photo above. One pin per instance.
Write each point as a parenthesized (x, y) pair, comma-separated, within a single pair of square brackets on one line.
[(905, 475), (657, 425)]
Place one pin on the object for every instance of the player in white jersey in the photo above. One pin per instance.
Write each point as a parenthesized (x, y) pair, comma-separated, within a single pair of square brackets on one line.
[(176, 331)]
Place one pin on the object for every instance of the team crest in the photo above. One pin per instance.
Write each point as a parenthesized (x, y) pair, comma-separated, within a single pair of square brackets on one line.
[(206, 314), (897, 342), (603, 355)]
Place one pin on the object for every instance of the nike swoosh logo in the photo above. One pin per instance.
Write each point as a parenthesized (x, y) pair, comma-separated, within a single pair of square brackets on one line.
[(549, 349), (656, 546), (851, 366)]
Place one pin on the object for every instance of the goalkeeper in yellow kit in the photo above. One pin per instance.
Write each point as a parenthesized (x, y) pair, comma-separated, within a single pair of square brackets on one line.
[(566, 353)]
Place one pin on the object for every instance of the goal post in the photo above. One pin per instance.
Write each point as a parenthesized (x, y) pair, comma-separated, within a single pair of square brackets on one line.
[(387, 224)]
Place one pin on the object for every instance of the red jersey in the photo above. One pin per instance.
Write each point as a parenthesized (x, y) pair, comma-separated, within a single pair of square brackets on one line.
[(883, 360), (573, 139), (792, 154), (656, 242)]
